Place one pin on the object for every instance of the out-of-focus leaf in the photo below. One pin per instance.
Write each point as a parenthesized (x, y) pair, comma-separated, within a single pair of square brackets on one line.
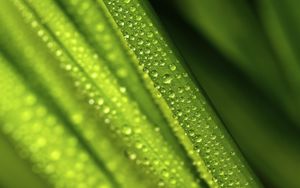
[(232, 26), (281, 21), (42, 137), (13, 166)]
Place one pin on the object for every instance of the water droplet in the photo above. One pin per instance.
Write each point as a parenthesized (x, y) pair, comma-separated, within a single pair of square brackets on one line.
[(199, 140), (161, 183), (106, 110), (58, 53), (100, 101), (130, 155), (127, 130), (132, 9), (173, 181), (138, 18), (91, 101), (172, 95), (167, 79), (139, 145), (172, 67), (122, 89), (165, 173), (154, 73)]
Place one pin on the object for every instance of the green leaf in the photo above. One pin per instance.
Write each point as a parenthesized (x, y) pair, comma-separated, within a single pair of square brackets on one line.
[(111, 105), (96, 96), (204, 130), (246, 112)]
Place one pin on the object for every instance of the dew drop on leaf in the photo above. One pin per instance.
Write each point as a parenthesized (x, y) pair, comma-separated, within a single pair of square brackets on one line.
[(106, 110), (172, 67), (127, 130), (100, 101), (130, 155), (154, 73), (167, 79)]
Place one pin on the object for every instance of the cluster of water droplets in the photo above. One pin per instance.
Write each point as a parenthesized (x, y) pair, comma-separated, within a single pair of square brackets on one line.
[(42, 138), (145, 145), (95, 27), (102, 34), (184, 99), (59, 89)]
